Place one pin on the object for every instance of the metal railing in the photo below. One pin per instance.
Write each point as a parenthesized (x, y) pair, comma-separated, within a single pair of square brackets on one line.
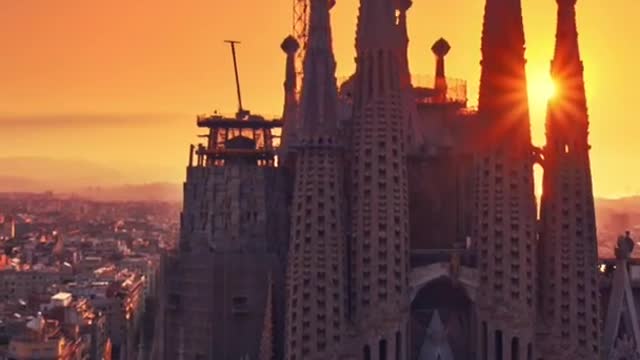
[(456, 88), (203, 118)]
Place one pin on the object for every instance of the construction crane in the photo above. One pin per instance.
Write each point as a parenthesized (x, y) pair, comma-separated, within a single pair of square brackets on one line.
[(233, 43), (300, 32)]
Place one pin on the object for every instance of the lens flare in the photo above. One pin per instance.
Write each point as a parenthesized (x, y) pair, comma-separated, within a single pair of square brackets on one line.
[(541, 89)]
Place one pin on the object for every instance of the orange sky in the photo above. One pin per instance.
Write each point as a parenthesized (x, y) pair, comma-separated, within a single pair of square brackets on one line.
[(118, 82)]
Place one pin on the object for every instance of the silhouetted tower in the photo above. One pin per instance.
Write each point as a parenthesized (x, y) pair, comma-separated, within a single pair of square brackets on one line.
[(569, 287), (379, 204), (230, 242), (402, 6), (289, 114), (505, 218), (410, 114), (440, 49), (317, 263), (231, 247)]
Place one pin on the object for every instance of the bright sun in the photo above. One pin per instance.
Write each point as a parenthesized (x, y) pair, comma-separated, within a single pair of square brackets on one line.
[(541, 89)]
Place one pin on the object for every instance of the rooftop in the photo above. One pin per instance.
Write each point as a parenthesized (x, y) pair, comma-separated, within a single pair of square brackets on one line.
[(239, 121), (61, 296)]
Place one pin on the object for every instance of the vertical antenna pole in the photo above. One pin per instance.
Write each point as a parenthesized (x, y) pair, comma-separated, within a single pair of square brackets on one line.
[(235, 68)]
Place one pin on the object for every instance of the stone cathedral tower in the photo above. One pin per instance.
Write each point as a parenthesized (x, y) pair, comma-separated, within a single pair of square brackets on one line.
[(569, 289), (378, 191), (505, 218), (300, 248), (290, 46), (317, 264)]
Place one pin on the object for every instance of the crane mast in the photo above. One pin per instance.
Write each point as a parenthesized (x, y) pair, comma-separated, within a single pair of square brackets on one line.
[(233, 43)]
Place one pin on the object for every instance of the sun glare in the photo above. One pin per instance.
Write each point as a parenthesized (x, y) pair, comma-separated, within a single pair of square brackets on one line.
[(541, 89)]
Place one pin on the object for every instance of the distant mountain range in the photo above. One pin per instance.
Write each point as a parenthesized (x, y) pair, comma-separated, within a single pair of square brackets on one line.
[(40, 173), (79, 177), (129, 192), (143, 192), (614, 217)]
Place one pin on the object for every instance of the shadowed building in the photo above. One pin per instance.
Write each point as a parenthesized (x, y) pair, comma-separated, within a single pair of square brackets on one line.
[(378, 185), (569, 320), (440, 163), (220, 287), (505, 218), (317, 263)]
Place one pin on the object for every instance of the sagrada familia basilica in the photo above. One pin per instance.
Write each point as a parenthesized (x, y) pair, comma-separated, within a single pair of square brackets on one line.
[(390, 221)]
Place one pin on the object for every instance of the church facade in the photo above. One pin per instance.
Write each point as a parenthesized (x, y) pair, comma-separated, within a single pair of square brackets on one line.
[(391, 221)]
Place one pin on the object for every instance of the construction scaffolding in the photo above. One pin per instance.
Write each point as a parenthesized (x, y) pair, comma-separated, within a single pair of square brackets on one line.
[(251, 138), (300, 32)]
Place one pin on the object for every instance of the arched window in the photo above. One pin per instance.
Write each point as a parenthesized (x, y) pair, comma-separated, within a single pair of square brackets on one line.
[(382, 347), (485, 341), (381, 73), (370, 64), (515, 349), (366, 353), (498, 345)]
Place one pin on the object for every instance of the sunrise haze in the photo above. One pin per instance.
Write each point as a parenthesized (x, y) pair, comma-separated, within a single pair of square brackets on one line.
[(119, 83)]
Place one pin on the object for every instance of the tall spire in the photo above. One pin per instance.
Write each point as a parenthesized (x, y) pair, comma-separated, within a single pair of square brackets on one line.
[(440, 49), (567, 242), (569, 103), (505, 210), (317, 266), (377, 25), (567, 117), (380, 63), (567, 52), (318, 104), (290, 46), (378, 183), (503, 85), (402, 6)]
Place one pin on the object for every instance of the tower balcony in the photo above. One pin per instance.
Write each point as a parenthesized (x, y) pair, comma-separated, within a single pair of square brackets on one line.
[(241, 139)]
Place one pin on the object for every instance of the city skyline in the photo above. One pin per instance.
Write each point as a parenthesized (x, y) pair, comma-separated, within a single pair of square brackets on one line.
[(140, 84)]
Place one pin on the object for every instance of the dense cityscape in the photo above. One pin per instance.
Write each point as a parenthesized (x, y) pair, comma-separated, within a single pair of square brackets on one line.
[(79, 278)]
